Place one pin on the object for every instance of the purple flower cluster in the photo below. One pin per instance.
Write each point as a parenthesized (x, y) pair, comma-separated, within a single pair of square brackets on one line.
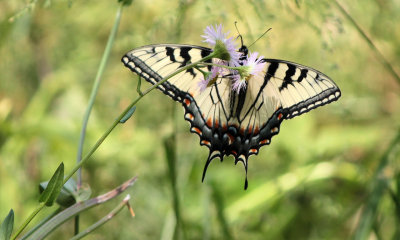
[(225, 49)]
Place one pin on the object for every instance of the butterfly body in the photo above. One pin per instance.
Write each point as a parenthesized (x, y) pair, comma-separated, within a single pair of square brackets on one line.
[(230, 122)]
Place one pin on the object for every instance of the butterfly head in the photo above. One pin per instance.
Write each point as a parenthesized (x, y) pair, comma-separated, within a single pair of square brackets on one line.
[(244, 51)]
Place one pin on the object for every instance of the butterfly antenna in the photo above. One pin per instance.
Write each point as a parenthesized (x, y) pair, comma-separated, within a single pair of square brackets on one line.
[(240, 35), (262, 35)]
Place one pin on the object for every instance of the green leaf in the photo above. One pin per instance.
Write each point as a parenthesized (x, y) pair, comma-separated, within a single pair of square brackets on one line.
[(125, 2), (128, 115), (49, 195), (7, 226), (68, 194)]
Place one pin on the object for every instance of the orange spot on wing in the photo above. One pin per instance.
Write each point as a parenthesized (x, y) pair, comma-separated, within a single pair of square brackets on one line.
[(209, 122), (187, 102), (205, 142), (197, 130), (280, 115), (224, 127), (250, 129), (231, 139), (190, 116), (256, 130), (241, 131), (234, 153), (216, 123), (253, 150), (266, 141)]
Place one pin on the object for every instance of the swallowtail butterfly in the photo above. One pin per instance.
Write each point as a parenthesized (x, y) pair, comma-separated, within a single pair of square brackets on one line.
[(231, 123)]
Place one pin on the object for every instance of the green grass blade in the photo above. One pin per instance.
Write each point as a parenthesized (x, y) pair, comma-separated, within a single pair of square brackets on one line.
[(7, 226)]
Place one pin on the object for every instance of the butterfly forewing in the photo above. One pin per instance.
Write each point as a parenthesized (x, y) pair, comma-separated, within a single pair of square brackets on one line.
[(299, 88), (155, 62)]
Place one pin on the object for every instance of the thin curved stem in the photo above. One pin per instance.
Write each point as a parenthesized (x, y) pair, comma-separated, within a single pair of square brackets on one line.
[(28, 220), (127, 109), (95, 89), (107, 132), (92, 98), (379, 55)]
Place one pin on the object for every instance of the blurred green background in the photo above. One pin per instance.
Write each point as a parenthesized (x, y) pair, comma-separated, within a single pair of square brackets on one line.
[(321, 178)]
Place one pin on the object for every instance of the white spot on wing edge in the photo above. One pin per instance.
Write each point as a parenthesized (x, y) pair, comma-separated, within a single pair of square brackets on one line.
[(131, 64), (215, 153)]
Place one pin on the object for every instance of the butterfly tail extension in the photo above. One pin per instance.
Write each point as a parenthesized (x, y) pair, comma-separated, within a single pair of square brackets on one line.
[(245, 160), (212, 155)]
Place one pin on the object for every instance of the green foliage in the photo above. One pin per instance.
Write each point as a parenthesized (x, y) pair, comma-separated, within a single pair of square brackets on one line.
[(128, 115), (53, 187), (45, 228), (125, 2), (318, 178), (7, 225)]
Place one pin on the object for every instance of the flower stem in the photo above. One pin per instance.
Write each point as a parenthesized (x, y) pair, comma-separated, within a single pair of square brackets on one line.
[(93, 94), (115, 123), (379, 55), (104, 220), (222, 66), (105, 135), (95, 89), (28, 220)]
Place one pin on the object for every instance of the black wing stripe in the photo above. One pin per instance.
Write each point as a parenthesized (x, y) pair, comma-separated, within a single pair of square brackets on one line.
[(301, 88), (270, 73), (287, 80), (220, 99)]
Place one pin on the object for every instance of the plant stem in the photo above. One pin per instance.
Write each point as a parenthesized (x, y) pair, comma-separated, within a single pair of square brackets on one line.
[(44, 221), (67, 214), (95, 89), (222, 66), (29, 219), (93, 94), (108, 131), (380, 185), (380, 56), (102, 221), (127, 109)]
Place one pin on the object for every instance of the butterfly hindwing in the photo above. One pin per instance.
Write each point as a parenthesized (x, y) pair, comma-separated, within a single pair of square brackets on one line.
[(204, 110)]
